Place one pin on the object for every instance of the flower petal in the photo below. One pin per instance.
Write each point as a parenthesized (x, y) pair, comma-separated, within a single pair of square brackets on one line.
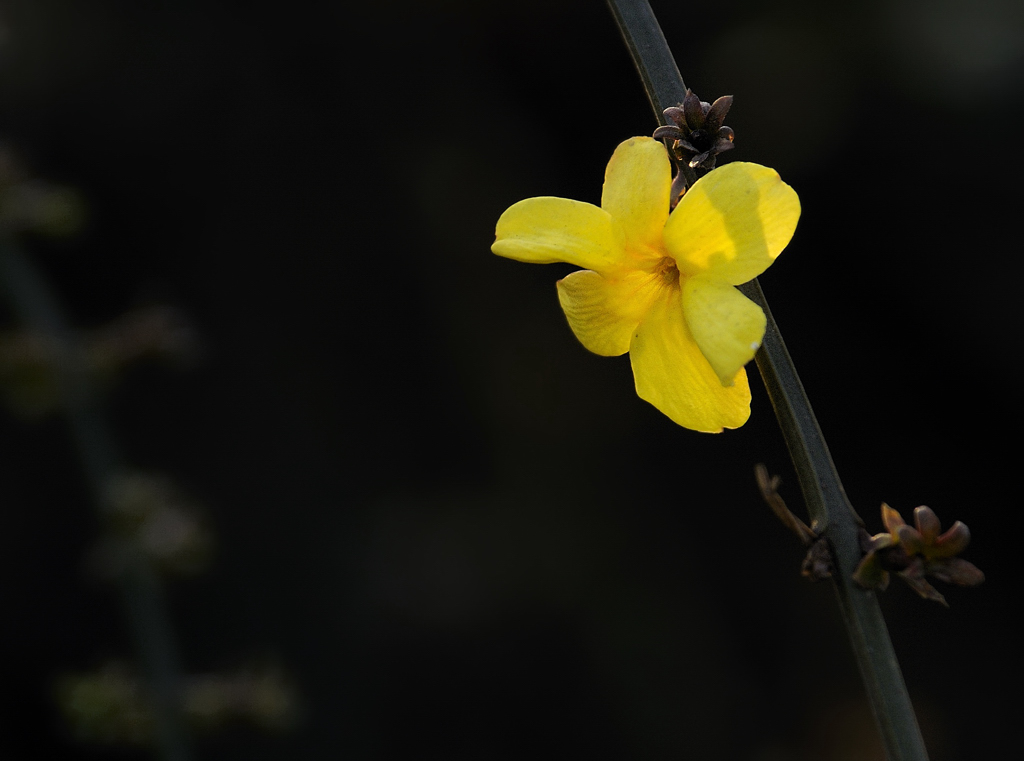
[(891, 519), (927, 523), (545, 230), (604, 312), (952, 542), (636, 192), (673, 375), (715, 116), (732, 223), (694, 110), (727, 326)]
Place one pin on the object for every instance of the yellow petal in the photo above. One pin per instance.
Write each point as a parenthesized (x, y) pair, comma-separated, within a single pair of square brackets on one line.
[(636, 192), (672, 374), (727, 326), (604, 312), (545, 230), (732, 223)]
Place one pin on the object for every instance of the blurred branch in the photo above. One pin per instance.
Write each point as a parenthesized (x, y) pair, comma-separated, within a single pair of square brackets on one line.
[(142, 596), (831, 514), (111, 705)]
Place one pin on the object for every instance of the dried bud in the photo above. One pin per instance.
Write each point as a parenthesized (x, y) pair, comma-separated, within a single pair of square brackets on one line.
[(697, 132), (914, 552)]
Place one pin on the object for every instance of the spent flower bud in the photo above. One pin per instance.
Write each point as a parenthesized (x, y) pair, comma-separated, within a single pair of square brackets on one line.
[(914, 552), (697, 132)]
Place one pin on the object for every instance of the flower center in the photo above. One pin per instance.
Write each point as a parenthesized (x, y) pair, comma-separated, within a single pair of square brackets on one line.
[(666, 268)]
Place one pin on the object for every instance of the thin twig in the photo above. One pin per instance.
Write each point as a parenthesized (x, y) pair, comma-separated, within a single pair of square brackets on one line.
[(831, 514), (769, 487)]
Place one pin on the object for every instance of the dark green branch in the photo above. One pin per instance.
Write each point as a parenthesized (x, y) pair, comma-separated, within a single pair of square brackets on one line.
[(831, 513), (141, 593), (651, 55)]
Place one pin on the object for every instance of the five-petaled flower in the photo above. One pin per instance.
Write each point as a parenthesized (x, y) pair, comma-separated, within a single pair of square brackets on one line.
[(660, 285)]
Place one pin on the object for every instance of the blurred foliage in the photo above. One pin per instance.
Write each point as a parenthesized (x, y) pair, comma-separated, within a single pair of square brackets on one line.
[(30, 361), (110, 706), (145, 513)]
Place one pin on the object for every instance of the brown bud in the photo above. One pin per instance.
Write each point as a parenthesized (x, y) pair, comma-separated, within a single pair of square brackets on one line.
[(915, 553)]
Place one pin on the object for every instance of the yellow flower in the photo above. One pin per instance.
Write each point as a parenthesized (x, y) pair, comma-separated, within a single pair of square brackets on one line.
[(660, 285)]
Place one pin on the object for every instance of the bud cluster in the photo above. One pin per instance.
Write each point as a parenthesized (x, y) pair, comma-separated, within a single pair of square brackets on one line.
[(695, 137), (914, 552)]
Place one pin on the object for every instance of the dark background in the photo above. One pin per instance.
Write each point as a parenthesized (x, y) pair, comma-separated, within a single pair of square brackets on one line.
[(459, 534)]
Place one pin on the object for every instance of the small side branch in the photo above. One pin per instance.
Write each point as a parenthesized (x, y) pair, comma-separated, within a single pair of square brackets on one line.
[(817, 564)]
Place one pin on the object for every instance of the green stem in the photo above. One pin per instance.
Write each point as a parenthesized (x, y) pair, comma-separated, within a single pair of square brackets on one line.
[(831, 513), (141, 593)]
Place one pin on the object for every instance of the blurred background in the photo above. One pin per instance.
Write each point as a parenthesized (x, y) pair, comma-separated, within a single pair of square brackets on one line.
[(397, 510)]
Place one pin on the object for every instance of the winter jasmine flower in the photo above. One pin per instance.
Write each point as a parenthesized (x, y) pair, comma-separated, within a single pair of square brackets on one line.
[(660, 285)]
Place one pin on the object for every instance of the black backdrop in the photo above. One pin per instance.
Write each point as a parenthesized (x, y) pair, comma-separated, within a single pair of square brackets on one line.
[(461, 535)]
